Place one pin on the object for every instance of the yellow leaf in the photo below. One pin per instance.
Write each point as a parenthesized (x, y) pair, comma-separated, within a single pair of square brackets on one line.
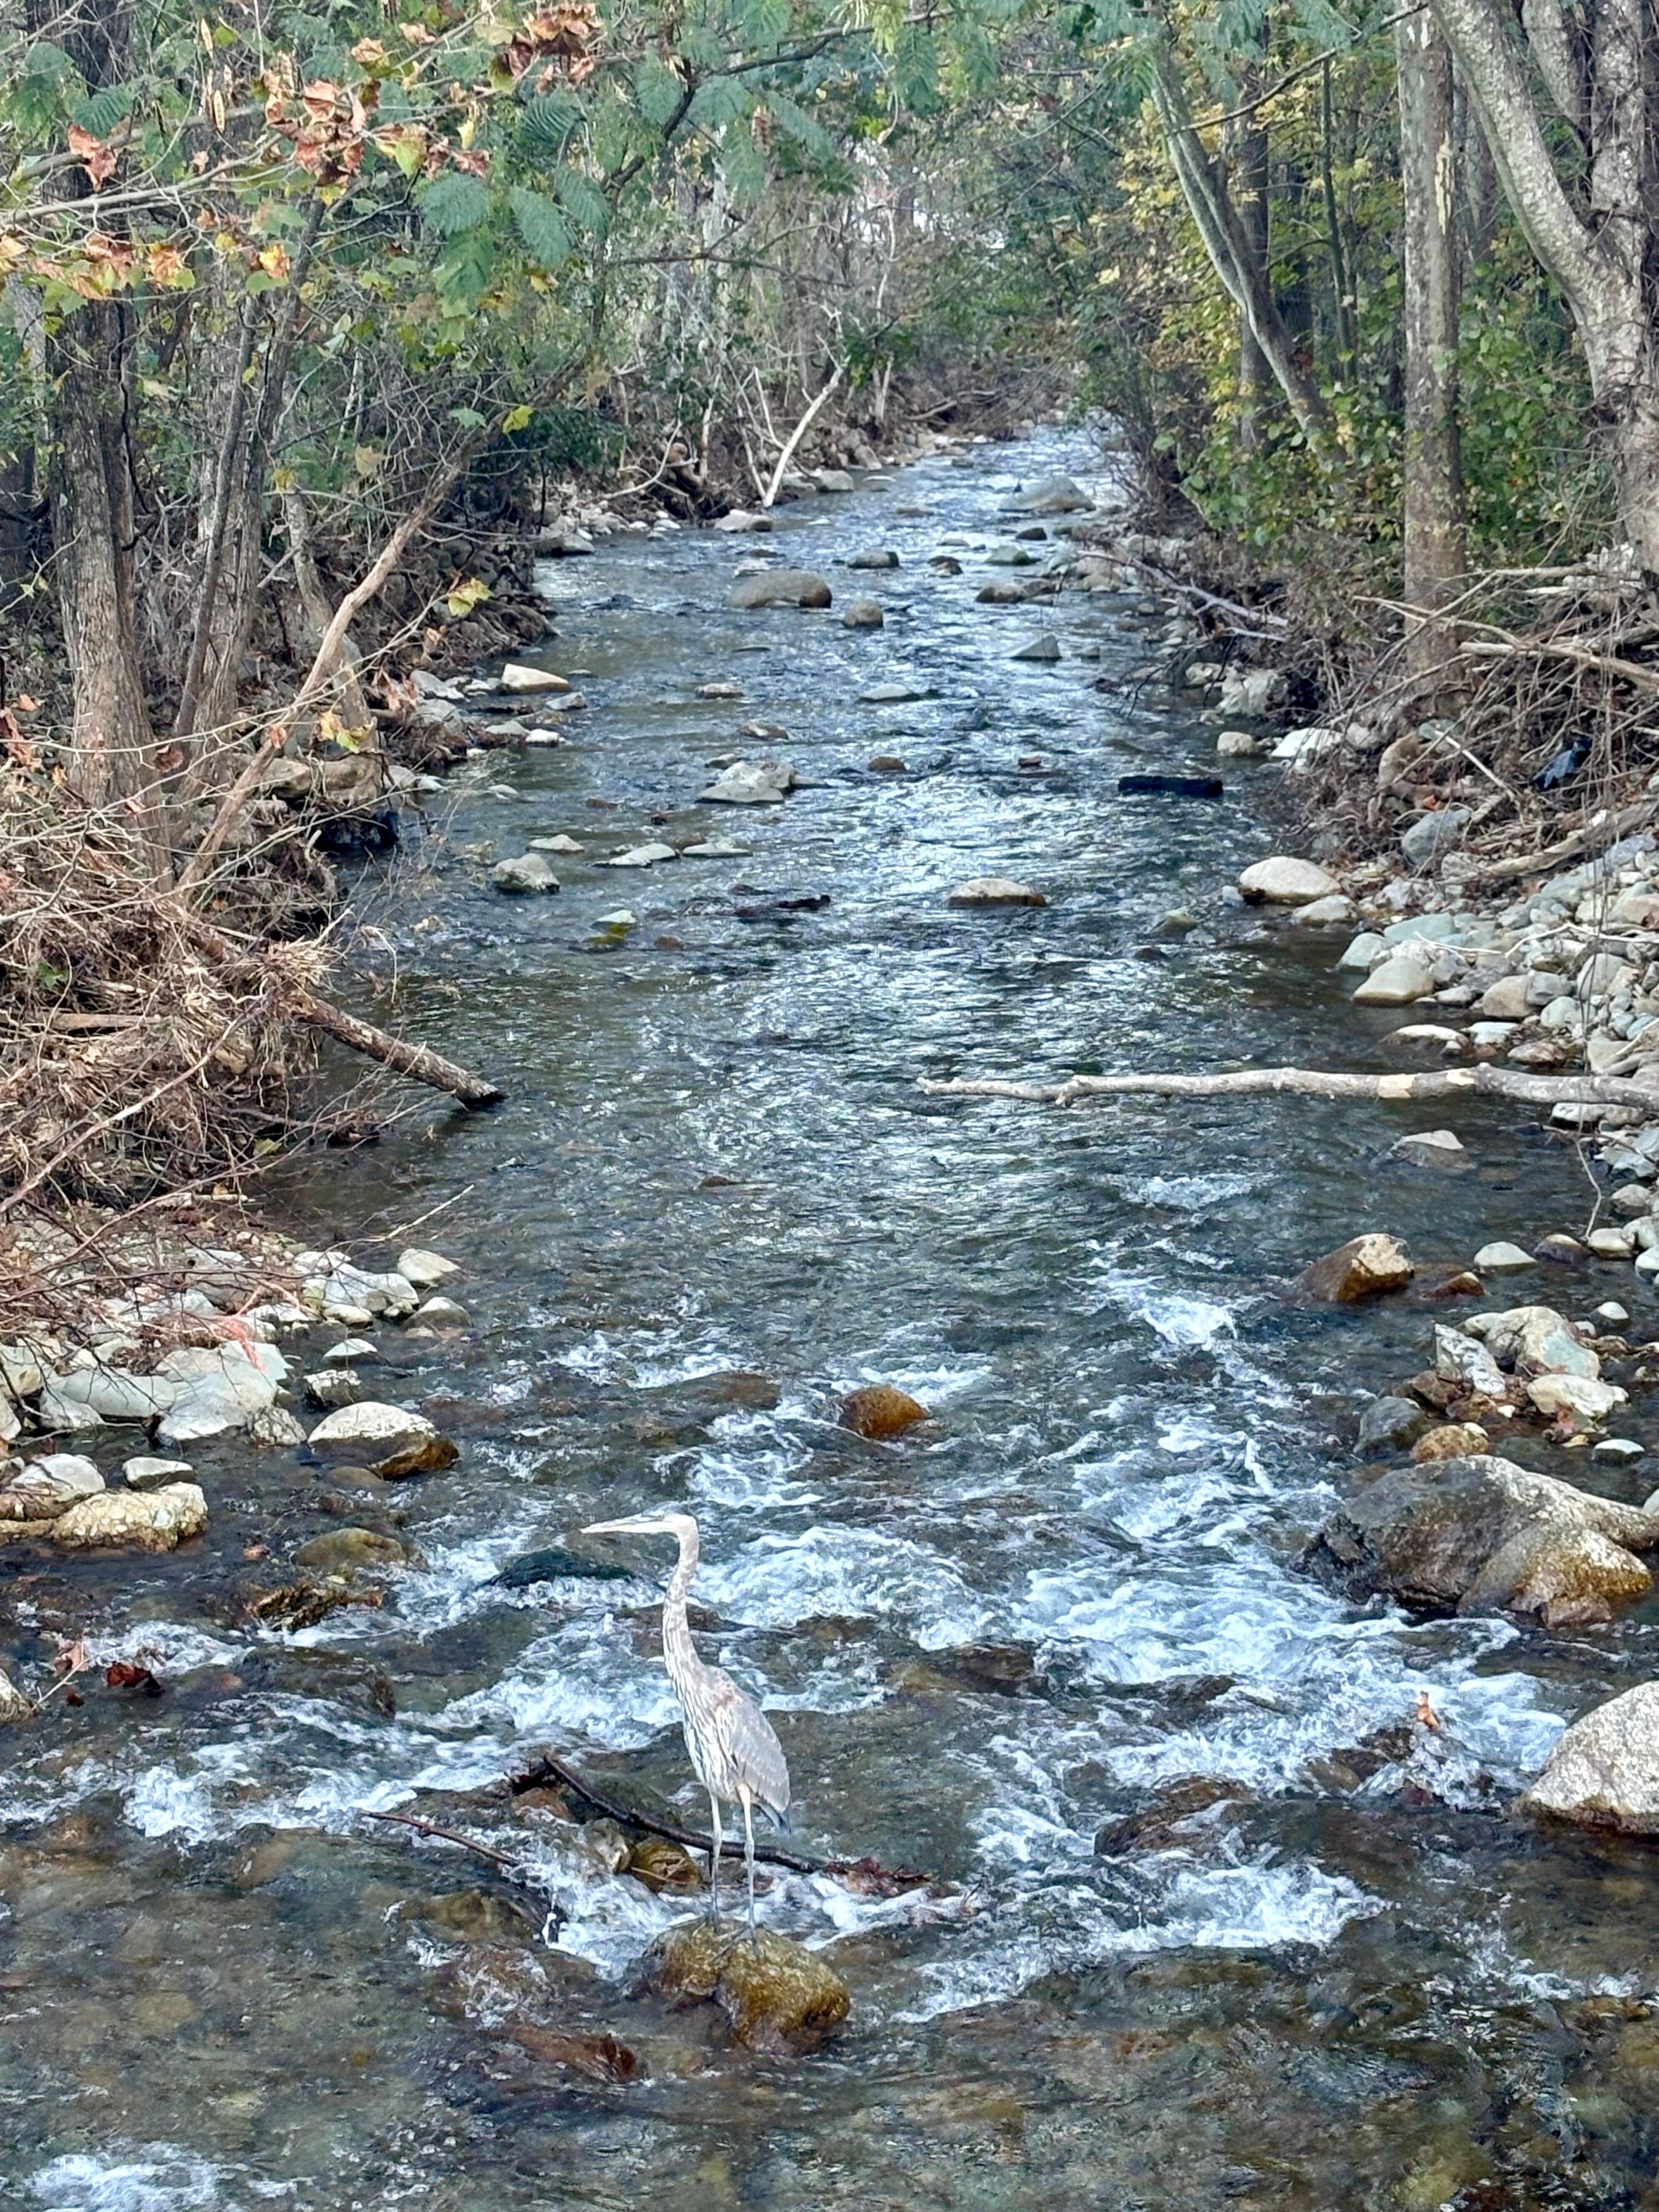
[(517, 418)]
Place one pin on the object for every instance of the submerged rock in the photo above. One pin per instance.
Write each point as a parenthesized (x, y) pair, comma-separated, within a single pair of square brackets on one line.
[(777, 1996), (554, 1563), (782, 587), (1604, 1771), (1393, 1421), (344, 1551), (525, 875), (1365, 1267), (995, 890), (1481, 1534), (750, 783), (880, 1411), (865, 614)]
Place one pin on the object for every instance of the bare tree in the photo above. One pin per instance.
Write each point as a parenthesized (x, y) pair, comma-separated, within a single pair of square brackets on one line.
[(1433, 523), (1599, 240)]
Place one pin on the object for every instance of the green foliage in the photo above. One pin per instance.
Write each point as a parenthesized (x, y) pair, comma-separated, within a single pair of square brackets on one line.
[(454, 202)]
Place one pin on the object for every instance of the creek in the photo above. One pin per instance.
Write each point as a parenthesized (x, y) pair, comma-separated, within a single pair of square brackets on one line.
[(1345, 1982)]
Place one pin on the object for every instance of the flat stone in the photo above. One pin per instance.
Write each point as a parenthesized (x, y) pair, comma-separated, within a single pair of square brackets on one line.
[(1323, 913), (750, 783), (1436, 1146), (714, 848), (560, 844), (892, 695), (1434, 835), (1611, 1244), (518, 677), (48, 1486), (1046, 649), (995, 890), (422, 1270), (881, 556), (1287, 882), (1505, 1000), (1501, 1258), (1363, 952), (642, 856), (146, 1472), (1398, 982)]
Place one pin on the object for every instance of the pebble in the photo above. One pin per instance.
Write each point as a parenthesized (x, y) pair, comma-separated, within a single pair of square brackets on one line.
[(1611, 1244), (518, 677), (1617, 1448), (1613, 1314), (443, 1313)]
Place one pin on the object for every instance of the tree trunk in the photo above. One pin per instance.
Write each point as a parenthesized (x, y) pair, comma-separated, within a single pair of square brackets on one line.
[(1256, 217), (1433, 546), (1600, 263), (88, 390)]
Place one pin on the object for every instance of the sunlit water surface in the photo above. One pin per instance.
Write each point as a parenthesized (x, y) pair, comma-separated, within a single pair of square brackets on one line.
[(226, 1987)]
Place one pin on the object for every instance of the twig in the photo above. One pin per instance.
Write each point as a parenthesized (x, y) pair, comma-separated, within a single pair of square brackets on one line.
[(502, 1859)]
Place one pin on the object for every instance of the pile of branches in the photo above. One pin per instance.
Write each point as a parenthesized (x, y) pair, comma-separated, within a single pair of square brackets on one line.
[(140, 1048), (1539, 713)]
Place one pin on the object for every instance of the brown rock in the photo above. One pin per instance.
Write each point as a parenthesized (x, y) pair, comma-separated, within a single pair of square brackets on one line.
[(777, 1996), (596, 2058), (880, 1411), (1365, 1267), (1456, 1440), (660, 1864)]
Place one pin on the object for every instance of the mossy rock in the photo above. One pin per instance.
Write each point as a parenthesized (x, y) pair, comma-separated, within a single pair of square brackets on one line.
[(778, 1996), (881, 1411)]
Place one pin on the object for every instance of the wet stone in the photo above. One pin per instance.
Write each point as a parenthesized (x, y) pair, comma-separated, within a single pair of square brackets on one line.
[(880, 1411), (776, 1996)]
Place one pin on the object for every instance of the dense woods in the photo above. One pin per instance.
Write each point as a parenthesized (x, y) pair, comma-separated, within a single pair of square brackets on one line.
[(309, 322)]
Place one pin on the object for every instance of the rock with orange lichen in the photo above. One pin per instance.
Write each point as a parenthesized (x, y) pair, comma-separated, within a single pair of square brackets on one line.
[(881, 1411)]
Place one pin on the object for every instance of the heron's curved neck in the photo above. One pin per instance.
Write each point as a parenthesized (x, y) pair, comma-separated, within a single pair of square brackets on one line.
[(679, 1655)]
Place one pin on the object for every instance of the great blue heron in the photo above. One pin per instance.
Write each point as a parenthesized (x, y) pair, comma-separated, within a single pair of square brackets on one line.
[(734, 1752)]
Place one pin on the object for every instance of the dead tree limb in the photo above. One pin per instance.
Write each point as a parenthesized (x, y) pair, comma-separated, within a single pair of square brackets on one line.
[(1484, 1081), (503, 1859), (768, 497), (1604, 830)]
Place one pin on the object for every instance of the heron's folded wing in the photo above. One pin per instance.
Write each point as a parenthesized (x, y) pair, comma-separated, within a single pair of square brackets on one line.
[(752, 1744)]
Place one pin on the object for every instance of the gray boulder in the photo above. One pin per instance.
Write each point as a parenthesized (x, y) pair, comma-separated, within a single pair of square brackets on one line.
[(1433, 836), (1392, 1424), (525, 875), (782, 587), (1482, 1534)]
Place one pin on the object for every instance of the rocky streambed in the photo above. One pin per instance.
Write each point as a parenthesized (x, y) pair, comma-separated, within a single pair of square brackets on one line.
[(1217, 1850)]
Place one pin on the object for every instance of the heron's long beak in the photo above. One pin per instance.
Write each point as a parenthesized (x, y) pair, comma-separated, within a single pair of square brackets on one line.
[(608, 1528)]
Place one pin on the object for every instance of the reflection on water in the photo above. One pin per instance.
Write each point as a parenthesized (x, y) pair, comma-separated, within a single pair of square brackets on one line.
[(1338, 1979)]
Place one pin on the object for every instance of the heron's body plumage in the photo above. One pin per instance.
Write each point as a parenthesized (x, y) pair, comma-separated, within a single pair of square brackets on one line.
[(733, 1748)]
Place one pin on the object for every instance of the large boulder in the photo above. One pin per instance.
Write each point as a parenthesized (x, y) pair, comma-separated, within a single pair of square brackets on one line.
[(143, 1521), (391, 1441), (1399, 980), (1365, 1267), (778, 1996), (1604, 1771), (217, 1388), (1538, 1340), (782, 587), (47, 1487), (1482, 1534), (1286, 882), (1054, 495)]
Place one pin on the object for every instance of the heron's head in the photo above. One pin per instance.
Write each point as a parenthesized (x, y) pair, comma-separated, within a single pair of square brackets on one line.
[(677, 1525)]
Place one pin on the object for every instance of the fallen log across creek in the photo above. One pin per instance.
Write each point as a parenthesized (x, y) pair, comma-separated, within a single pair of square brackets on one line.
[(1484, 1081)]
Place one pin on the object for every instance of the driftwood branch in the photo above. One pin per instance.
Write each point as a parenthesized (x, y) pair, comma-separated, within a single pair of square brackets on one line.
[(502, 1859), (1313, 1083), (1604, 830), (551, 1768), (1549, 648), (768, 497)]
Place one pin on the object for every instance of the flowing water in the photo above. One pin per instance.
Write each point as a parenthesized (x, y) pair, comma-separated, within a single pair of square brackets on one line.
[(1349, 1981)]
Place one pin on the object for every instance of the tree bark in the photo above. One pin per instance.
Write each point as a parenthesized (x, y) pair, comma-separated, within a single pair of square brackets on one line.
[(1244, 278), (1255, 215), (1600, 261), (1433, 522)]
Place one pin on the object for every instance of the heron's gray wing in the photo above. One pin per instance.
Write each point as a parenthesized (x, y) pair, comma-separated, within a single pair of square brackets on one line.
[(749, 1742)]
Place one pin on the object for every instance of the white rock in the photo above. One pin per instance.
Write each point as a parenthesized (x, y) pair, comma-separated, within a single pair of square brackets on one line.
[(1613, 1314), (220, 1389), (1319, 913), (560, 844), (111, 1393), (750, 783), (715, 849), (1434, 1143), (1618, 1447), (425, 1270), (517, 677), (391, 1293), (620, 917), (1239, 745), (147, 1473), (642, 856), (994, 890), (1397, 981), (1287, 882), (443, 1313), (13, 1705), (48, 1486), (349, 1349), (1590, 1400), (151, 1520), (1365, 951), (1604, 1771), (1302, 748), (1501, 1259), (371, 1423), (890, 694), (1611, 1244), (525, 875), (1460, 1358)]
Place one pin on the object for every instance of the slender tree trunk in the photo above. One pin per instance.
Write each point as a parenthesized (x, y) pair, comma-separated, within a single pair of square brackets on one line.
[(1603, 264), (1433, 482), (1256, 377)]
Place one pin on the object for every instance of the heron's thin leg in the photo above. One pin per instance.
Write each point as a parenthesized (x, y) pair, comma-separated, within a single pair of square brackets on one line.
[(749, 1855), (716, 1837)]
